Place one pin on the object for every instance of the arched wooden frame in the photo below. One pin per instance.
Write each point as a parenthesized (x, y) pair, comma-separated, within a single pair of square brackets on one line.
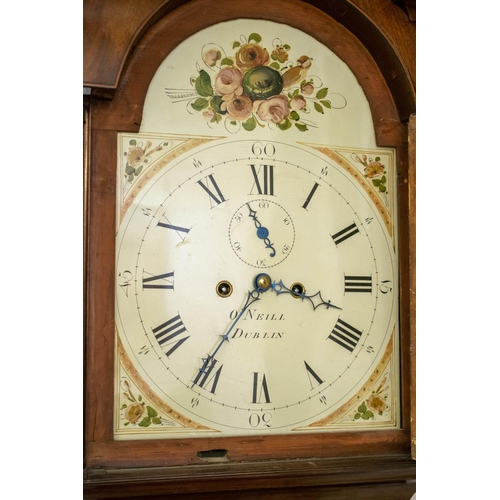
[(124, 113)]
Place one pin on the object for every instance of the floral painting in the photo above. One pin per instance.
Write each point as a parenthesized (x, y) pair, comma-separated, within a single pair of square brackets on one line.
[(257, 86), (373, 170)]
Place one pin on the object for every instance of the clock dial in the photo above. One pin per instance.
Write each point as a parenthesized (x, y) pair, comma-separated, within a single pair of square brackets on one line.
[(263, 284)]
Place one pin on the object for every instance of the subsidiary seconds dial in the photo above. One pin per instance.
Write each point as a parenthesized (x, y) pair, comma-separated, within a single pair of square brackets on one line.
[(274, 233)]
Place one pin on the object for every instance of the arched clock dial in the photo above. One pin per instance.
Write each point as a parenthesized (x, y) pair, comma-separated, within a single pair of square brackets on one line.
[(260, 286)]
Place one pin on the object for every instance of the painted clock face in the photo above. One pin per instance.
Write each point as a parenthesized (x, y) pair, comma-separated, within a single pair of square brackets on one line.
[(255, 286)]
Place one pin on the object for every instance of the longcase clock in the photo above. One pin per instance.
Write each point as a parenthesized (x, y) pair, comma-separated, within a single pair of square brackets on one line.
[(249, 260)]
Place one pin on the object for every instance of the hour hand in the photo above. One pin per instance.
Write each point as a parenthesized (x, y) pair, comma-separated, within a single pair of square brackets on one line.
[(298, 291)]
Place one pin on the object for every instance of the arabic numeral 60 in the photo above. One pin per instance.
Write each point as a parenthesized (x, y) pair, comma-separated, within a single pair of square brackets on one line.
[(259, 149)]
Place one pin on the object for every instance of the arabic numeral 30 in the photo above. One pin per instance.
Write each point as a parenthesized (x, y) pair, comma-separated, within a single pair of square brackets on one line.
[(260, 420)]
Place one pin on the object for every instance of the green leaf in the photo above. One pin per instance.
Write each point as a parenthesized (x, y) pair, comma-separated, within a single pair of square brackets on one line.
[(367, 414), (199, 104), (294, 116), (129, 170), (301, 126), (156, 420), (357, 416), (326, 104), (133, 142), (383, 180), (123, 406), (376, 182), (250, 124), (151, 412), (285, 125), (382, 188), (136, 173), (322, 93), (362, 408), (377, 158), (295, 92), (216, 102), (217, 118), (255, 37), (139, 397), (227, 62), (275, 65), (145, 422), (286, 46), (318, 108), (203, 84), (236, 44)]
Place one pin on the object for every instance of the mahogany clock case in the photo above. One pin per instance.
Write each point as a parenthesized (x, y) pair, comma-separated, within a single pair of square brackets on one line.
[(328, 460)]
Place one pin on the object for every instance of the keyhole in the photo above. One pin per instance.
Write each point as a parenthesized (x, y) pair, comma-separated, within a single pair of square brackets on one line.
[(224, 289)]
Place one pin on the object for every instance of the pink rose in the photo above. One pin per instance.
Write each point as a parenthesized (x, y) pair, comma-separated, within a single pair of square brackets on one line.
[(238, 108), (275, 109), (298, 102), (228, 81), (307, 88), (208, 114), (210, 57)]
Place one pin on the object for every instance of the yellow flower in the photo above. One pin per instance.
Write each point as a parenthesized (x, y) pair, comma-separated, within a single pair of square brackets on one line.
[(280, 54), (376, 403), (374, 169), (135, 155), (251, 55), (134, 412)]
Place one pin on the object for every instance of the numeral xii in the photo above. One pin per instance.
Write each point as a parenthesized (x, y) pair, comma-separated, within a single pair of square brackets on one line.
[(263, 179)]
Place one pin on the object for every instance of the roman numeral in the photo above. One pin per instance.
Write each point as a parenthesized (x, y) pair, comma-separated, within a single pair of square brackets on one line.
[(345, 335), (260, 388), (205, 375), (345, 233), (163, 282), (167, 332), (358, 284), (311, 194), (266, 184), (312, 375), (218, 197), (174, 228)]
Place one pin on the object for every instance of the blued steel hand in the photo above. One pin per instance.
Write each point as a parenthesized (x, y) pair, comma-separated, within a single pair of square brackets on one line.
[(316, 300), (262, 232), (262, 283)]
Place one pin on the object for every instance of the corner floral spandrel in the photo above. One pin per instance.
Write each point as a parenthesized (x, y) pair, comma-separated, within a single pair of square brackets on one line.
[(136, 412), (138, 156), (255, 87), (374, 170), (376, 404)]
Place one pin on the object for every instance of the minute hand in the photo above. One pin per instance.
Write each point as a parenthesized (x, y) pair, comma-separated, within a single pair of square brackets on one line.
[(316, 300), (252, 296)]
